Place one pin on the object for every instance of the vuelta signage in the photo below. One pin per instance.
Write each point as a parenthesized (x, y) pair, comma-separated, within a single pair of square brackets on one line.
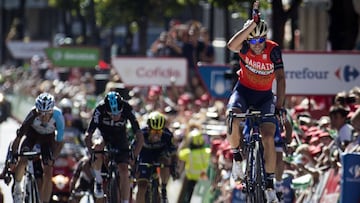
[(321, 73), (139, 71), (73, 56)]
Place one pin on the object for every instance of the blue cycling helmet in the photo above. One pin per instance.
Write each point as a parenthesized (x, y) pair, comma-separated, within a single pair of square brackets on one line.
[(113, 103)]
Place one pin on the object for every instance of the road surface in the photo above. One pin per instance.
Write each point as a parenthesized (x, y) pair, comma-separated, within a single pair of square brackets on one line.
[(7, 133)]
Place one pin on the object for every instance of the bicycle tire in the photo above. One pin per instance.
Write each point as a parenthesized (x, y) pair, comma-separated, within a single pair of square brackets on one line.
[(87, 198), (259, 186), (152, 192), (155, 191), (113, 189), (31, 191), (250, 197)]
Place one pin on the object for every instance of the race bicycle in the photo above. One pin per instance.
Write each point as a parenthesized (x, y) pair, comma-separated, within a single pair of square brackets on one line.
[(31, 190), (152, 193), (113, 177), (255, 175)]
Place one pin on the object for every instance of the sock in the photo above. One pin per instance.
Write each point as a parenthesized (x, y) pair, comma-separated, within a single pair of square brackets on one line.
[(98, 177), (17, 187), (270, 180), (163, 191), (236, 154)]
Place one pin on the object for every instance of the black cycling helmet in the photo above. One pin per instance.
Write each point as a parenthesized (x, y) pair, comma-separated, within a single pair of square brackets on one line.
[(113, 103)]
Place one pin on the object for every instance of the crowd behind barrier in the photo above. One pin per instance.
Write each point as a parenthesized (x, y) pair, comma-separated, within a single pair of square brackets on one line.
[(316, 156), (321, 161)]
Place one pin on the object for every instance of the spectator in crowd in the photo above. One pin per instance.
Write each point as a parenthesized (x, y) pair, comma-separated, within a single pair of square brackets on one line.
[(197, 158), (208, 55), (165, 46), (338, 118), (5, 108), (355, 122)]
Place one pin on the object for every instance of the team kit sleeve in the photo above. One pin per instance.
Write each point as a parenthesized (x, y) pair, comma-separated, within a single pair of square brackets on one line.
[(130, 114), (60, 125)]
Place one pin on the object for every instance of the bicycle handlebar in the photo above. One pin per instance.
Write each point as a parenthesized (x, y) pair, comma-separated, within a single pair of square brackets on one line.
[(160, 165), (29, 155)]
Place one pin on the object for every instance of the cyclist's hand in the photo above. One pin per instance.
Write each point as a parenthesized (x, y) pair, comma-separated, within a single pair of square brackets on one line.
[(174, 172), (255, 13), (12, 160), (281, 116), (132, 163)]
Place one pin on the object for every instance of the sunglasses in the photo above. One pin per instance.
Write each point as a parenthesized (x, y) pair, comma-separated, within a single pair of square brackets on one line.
[(44, 113), (257, 40), (114, 115), (153, 131)]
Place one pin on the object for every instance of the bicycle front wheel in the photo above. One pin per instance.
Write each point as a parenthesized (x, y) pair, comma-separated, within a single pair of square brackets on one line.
[(31, 191), (113, 189), (259, 174), (152, 193)]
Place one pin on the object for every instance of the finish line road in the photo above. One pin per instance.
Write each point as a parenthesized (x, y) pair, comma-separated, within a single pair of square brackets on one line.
[(7, 134)]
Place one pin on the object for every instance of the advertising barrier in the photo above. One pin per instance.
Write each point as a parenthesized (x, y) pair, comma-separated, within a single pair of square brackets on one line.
[(350, 181)]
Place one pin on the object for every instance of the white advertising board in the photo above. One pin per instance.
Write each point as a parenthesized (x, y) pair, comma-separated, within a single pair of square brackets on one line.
[(321, 73), (25, 50), (140, 71)]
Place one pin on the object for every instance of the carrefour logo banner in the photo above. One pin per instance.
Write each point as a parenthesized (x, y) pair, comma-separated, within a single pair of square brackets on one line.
[(140, 71), (321, 73)]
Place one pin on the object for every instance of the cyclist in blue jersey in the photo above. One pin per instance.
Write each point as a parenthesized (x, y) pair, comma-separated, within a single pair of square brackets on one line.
[(44, 125), (110, 117)]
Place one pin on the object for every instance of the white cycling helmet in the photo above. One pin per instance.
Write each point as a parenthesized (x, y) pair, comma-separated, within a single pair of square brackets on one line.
[(65, 103), (45, 102), (260, 30)]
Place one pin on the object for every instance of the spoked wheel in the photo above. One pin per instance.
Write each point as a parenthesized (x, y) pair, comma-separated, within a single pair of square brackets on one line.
[(31, 192), (155, 191), (254, 185), (250, 175), (259, 175), (113, 190), (152, 192), (87, 198)]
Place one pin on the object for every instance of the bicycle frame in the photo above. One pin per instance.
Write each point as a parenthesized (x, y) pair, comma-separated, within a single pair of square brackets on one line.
[(113, 186), (31, 189), (255, 174), (152, 193)]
